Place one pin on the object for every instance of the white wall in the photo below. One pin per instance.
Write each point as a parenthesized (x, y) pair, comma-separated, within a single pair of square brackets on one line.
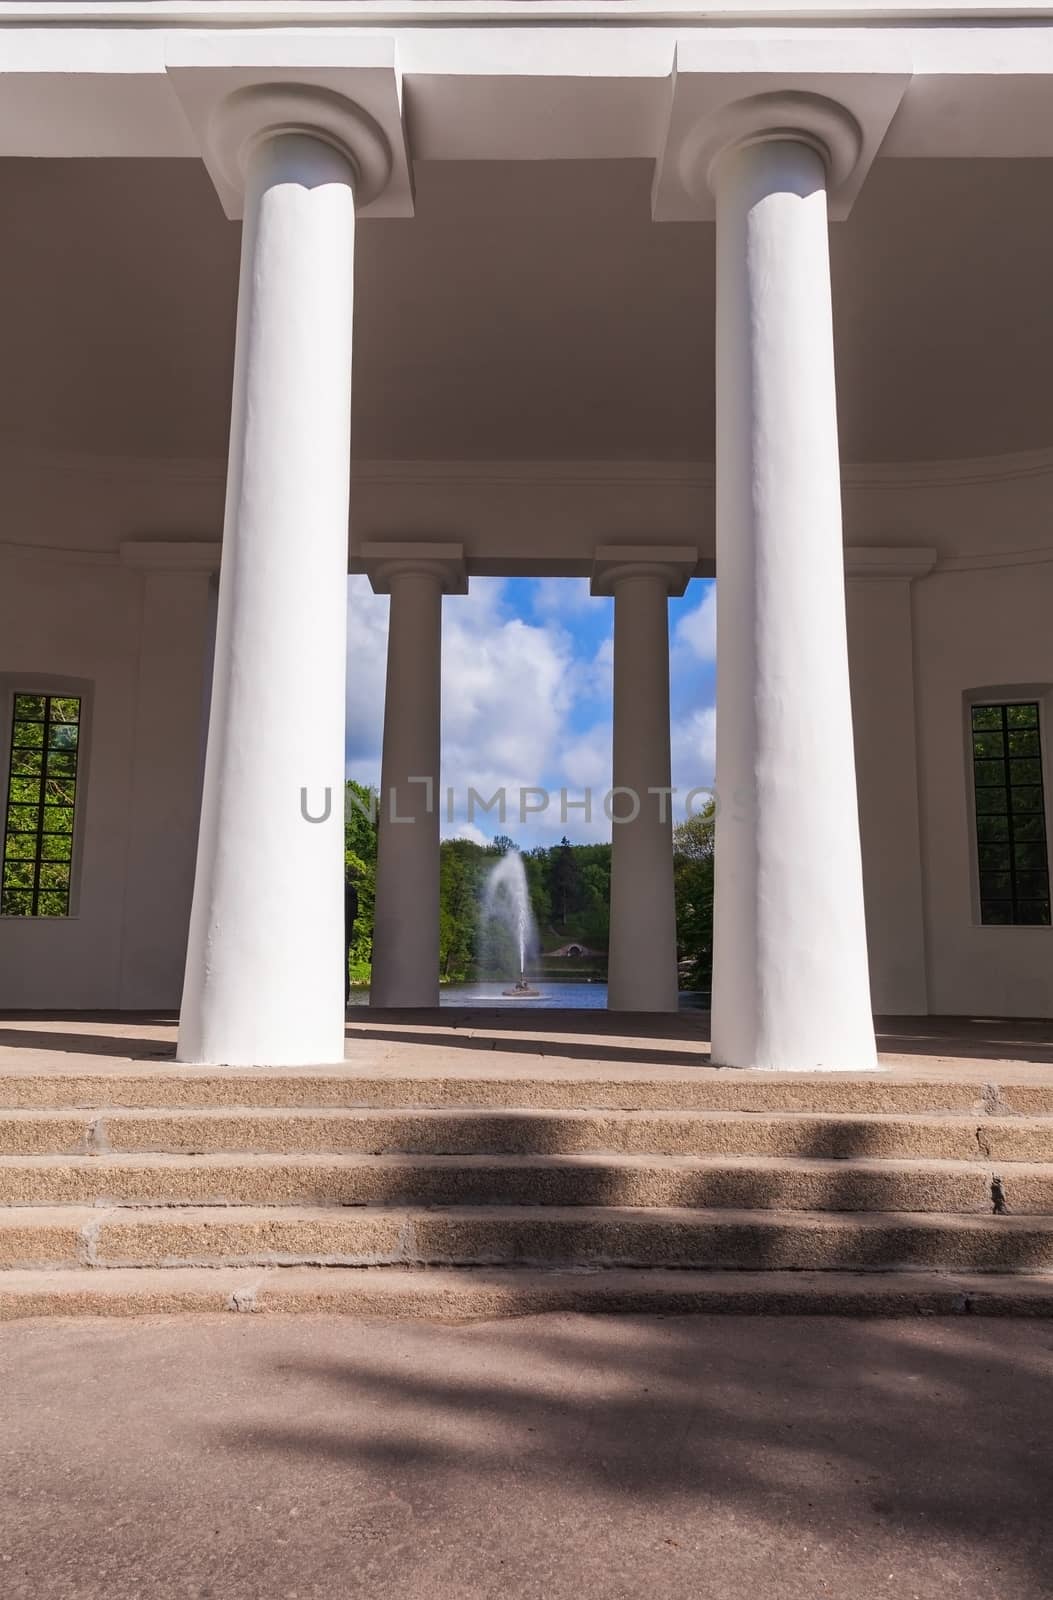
[(138, 639), (882, 672), (70, 606), (81, 502), (169, 731), (916, 651), (976, 628)]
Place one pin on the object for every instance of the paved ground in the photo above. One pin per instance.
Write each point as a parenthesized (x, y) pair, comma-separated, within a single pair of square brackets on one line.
[(298, 1458), (574, 1042)]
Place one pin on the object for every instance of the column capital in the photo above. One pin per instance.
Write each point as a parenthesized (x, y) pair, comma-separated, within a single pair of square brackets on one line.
[(787, 116), (798, 92), (674, 564), (348, 96), (385, 562), (245, 119)]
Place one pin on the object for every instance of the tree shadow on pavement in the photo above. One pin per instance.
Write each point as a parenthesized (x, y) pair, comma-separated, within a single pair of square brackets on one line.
[(701, 1454)]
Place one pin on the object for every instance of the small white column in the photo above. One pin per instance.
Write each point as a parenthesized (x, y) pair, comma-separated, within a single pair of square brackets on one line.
[(642, 971), (406, 914), (790, 980), (264, 981)]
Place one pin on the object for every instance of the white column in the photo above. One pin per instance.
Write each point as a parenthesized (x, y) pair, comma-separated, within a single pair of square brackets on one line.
[(406, 915), (642, 971), (790, 983), (264, 981)]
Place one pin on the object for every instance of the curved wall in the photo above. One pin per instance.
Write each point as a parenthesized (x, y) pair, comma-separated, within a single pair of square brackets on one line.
[(950, 588)]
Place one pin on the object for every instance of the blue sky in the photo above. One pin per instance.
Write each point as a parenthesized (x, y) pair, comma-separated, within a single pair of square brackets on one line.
[(527, 700)]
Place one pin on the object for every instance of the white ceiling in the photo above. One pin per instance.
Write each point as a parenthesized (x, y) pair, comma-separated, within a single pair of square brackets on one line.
[(528, 311)]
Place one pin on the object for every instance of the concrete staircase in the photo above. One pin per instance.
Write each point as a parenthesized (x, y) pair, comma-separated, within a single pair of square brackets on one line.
[(481, 1193)]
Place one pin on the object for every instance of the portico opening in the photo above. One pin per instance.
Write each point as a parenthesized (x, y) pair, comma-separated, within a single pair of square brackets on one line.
[(551, 375)]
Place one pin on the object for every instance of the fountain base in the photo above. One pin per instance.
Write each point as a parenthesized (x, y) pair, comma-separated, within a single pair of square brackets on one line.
[(521, 991)]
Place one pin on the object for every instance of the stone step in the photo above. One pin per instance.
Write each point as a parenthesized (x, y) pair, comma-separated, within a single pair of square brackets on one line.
[(290, 1130), (537, 1236), (467, 1294), (542, 1085), (600, 1179)]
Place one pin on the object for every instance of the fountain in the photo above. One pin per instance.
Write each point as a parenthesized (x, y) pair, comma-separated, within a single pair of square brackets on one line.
[(506, 903)]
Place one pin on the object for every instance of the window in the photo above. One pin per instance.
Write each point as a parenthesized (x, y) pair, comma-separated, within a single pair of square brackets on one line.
[(1010, 813), (41, 799)]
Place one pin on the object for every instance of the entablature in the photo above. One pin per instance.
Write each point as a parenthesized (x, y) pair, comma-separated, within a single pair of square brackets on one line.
[(530, 79)]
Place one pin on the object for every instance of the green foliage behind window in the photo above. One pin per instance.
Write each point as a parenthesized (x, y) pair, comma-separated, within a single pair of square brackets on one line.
[(41, 800)]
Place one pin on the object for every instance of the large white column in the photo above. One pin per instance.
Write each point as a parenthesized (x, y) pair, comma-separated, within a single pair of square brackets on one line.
[(642, 972), (790, 983), (406, 915), (264, 981)]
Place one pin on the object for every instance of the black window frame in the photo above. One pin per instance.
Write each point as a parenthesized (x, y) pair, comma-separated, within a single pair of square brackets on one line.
[(1009, 805), (58, 792)]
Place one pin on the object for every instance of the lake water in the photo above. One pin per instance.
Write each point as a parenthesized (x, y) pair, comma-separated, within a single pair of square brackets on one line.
[(554, 997)]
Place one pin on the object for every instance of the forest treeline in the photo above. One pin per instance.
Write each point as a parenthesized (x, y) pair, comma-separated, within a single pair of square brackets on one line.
[(569, 888)]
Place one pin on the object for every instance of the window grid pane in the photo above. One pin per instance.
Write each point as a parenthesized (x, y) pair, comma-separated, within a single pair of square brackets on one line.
[(40, 806), (1010, 814)]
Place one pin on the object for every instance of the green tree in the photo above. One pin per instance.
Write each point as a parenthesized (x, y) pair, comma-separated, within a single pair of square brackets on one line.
[(360, 862), (536, 866), (569, 891), (596, 903), (564, 881), (693, 846), (462, 865)]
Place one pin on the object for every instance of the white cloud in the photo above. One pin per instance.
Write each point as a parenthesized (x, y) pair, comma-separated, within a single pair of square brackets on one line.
[(585, 760), (696, 631), (367, 646), (594, 680), (583, 766), (509, 693), (465, 830), (506, 696), (693, 751), (561, 597)]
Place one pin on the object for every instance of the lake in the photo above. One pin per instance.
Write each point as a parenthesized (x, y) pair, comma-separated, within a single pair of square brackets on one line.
[(554, 997)]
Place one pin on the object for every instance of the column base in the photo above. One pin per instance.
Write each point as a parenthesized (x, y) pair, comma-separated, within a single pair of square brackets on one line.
[(754, 1066), (258, 1064), (857, 1056), (651, 1005), (403, 1000)]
